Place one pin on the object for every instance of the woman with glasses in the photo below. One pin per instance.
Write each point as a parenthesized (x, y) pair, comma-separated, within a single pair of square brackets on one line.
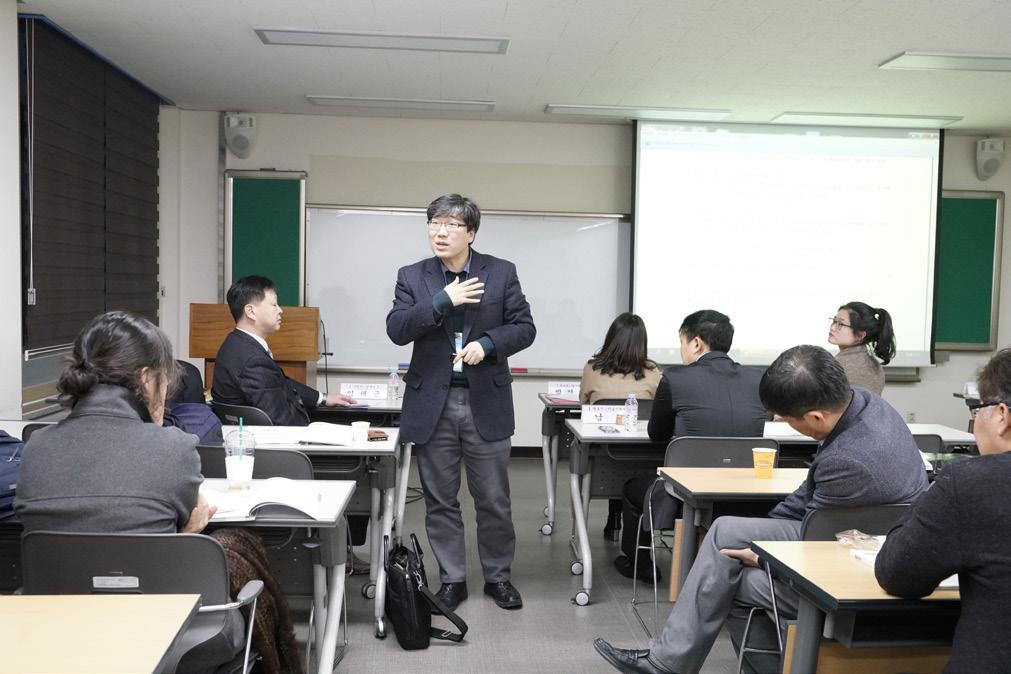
[(866, 341), (619, 368)]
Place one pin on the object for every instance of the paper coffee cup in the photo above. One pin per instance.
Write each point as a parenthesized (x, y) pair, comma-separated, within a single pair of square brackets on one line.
[(360, 431), (764, 459)]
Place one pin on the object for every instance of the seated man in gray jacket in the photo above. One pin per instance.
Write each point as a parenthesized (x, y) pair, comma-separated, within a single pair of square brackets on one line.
[(866, 457)]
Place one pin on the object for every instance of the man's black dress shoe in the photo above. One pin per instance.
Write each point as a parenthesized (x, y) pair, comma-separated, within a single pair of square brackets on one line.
[(451, 594), (624, 566), (626, 660), (504, 594)]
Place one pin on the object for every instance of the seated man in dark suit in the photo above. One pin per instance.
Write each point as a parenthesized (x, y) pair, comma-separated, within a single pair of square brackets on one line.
[(866, 457), (710, 395), (245, 372), (963, 525)]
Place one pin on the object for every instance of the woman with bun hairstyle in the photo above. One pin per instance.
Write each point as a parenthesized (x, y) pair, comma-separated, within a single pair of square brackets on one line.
[(620, 367), (866, 341), (111, 467)]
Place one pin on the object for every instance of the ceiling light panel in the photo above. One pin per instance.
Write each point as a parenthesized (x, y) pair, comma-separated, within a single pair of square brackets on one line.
[(363, 40), (855, 119), (638, 112), (921, 60), (402, 103)]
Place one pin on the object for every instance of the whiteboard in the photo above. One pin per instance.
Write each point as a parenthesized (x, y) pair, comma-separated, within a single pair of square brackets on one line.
[(574, 271)]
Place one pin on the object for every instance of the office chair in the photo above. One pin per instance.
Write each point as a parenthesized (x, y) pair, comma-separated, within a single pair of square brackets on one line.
[(251, 416), (76, 563), (659, 512), (266, 463), (823, 525), (27, 431), (929, 443)]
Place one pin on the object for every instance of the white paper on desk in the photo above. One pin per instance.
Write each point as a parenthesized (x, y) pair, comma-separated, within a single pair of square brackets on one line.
[(274, 497), (316, 433), (869, 556), (361, 391), (602, 414), (564, 389)]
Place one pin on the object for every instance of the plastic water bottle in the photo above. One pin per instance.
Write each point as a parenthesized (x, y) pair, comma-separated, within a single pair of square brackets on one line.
[(631, 417), (393, 385)]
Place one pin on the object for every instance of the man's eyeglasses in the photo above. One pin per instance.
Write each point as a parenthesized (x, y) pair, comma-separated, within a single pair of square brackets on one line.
[(976, 407), (451, 227), (836, 323)]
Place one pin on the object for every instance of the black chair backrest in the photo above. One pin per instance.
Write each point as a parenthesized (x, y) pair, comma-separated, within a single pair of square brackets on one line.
[(191, 385), (76, 563), (288, 463), (929, 443), (645, 405), (251, 416), (823, 525), (715, 452), (28, 429)]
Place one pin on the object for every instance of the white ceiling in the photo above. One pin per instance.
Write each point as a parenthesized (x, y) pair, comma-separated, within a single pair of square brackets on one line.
[(757, 58)]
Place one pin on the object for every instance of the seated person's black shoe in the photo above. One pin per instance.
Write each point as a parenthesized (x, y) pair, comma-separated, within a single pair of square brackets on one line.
[(504, 594), (624, 566), (451, 594), (627, 659)]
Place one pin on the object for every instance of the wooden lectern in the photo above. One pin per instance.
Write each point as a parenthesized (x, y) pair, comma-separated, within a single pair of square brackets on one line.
[(295, 345)]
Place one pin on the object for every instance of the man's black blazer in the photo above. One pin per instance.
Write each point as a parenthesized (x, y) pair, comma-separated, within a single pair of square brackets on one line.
[(714, 396), (503, 314), (245, 374)]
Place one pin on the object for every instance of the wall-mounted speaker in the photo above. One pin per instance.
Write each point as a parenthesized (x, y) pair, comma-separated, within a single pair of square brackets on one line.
[(989, 155), (240, 133)]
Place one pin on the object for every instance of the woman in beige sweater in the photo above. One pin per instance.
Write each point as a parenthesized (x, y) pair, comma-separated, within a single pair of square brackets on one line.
[(619, 368), (864, 336)]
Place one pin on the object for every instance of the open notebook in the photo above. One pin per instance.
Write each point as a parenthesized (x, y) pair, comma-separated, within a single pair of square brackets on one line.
[(316, 433), (273, 498)]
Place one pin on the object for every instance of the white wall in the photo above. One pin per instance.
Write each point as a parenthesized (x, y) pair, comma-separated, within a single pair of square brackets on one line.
[(188, 212), (10, 217), (511, 166)]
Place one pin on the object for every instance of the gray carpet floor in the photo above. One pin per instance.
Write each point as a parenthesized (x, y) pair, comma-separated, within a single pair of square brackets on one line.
[(550, 634)]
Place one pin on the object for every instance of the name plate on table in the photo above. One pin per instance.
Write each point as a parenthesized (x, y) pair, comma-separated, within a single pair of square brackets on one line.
[(568, 390), (365, 391), (602, 414)]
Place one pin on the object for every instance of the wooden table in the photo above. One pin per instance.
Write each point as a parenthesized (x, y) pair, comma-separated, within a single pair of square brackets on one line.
[(108, 634), (700, 488), (835, 591)]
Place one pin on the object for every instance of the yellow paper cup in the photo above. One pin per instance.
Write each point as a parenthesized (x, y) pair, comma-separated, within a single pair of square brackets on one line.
[(765, 459)]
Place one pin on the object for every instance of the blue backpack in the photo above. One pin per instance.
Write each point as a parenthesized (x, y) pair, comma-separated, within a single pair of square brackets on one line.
[(10, 465), (196, 418)]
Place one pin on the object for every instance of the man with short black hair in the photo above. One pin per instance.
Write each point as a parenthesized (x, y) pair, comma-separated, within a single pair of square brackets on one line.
[(245, 372), (866, 457), (465, 314), (709, 395)]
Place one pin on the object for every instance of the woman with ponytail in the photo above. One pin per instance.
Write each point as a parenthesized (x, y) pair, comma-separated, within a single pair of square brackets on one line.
[(866, 341), (111, 467)]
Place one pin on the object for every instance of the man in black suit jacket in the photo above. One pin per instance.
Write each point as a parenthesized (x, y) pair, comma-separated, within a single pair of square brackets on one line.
[(245, 372), (710, 395), (465, 314), (962, 525)]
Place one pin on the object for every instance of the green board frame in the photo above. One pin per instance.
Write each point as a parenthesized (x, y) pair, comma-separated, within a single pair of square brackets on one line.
[(969, 237), (265, 230)]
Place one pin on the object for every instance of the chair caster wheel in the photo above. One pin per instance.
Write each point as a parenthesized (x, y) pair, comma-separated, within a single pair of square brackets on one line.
[(576, 568), (547, 529), (582, 598), (380, 628), (369, 590), (545, 511)]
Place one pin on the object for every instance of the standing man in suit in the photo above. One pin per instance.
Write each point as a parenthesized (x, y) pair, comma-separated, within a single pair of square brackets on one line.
[(466, 314), (245, 372), (710, 395)]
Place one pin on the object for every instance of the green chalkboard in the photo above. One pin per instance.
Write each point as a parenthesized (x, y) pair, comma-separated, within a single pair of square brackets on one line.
[(264, 232), (968, 270)]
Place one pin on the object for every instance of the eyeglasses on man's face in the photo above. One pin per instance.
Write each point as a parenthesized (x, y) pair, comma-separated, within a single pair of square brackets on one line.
[(451, 227), (976, 407), (836, 323)]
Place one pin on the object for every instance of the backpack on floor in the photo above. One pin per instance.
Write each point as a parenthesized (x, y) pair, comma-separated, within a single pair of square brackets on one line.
[(409, 602)]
